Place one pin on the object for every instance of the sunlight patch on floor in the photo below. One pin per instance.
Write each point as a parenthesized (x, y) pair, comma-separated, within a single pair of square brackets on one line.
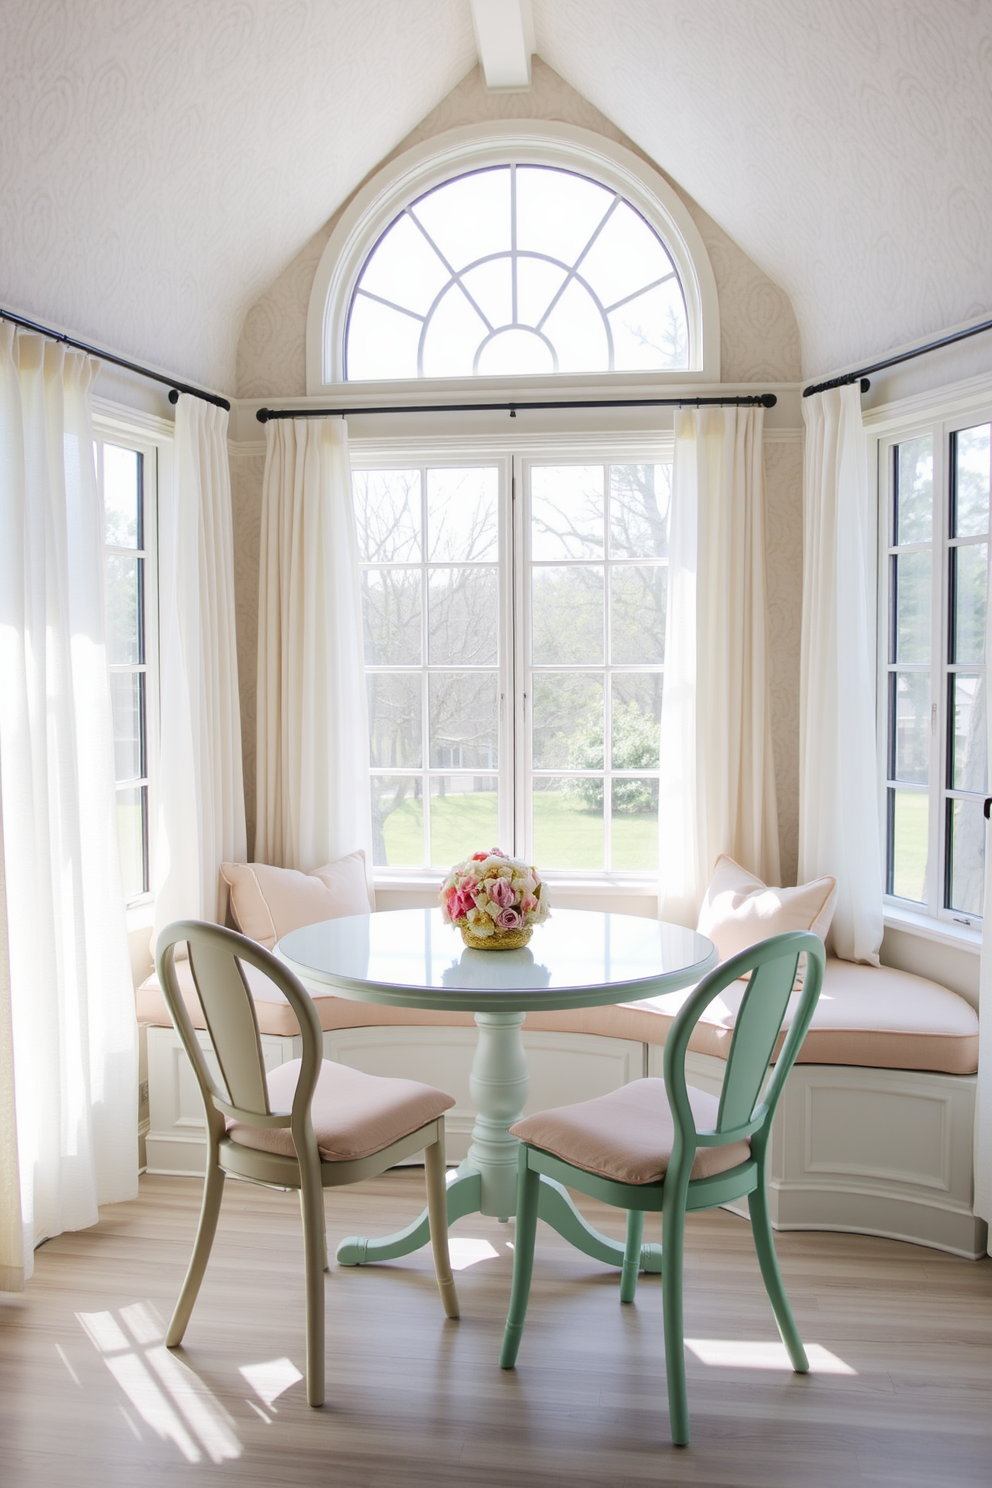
[(737, 1353)]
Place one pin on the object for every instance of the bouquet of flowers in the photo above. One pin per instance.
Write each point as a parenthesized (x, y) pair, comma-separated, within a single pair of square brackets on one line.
[(494, 899)]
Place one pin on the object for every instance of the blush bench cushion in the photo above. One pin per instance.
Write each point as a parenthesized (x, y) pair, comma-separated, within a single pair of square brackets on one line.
[(874, 1016)]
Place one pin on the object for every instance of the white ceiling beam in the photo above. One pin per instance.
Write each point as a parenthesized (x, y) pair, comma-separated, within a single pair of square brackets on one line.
[(504, 34)]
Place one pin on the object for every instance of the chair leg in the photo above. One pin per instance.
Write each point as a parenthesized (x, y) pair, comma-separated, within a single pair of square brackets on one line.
[(314, 1261), (632, 1254), (528, 1187), (764, 1244), (673, 1246), (437, 1209), (213, 1190)]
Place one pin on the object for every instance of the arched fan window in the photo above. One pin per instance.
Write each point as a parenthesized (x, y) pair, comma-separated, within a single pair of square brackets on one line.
[(516, 269)]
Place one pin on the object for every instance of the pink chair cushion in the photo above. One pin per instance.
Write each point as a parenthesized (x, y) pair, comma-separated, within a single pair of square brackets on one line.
[(353, 1114), (628, 1134)]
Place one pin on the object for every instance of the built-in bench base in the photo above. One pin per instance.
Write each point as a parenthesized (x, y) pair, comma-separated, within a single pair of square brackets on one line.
[(873, 1151)]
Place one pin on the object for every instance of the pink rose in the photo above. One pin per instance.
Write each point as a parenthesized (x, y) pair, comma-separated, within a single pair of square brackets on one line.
[(529, 904), (479, 857), (509, 919), (501, 892), (495, 852)]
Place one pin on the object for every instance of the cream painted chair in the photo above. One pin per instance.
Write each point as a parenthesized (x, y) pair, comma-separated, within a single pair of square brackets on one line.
[(309, 1125)]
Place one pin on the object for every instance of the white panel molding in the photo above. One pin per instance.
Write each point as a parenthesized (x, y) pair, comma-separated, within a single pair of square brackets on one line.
[(504, 35)]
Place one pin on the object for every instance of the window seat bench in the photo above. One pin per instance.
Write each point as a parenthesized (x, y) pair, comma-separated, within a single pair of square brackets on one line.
[(874, 1134)]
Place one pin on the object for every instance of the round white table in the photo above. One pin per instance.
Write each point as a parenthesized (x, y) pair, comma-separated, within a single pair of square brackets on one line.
[(577, 958)]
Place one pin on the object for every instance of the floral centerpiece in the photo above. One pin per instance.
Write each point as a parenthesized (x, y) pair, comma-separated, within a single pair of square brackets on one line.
[(495, 900)]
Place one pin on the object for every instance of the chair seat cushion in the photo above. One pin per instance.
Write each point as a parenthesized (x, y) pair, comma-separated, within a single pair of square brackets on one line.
[(628, 1134), (353, 1114)]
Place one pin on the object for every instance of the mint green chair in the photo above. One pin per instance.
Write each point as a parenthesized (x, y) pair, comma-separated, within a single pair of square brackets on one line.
[(309, 1124), (660, 1147)]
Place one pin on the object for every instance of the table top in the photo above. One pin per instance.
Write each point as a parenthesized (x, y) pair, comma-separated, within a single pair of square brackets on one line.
[(577, 958)]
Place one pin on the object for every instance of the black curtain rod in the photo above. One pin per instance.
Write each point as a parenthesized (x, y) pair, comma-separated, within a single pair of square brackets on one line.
[(762, 400), (173, 383), (863, 373)]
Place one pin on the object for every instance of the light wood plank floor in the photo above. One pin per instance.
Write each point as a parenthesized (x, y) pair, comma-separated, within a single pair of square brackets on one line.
[(902, 1394)]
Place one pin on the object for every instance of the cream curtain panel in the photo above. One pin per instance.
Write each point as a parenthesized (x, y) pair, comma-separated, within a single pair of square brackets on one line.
[(839, 830), (11, 1223), (201, 799), (983, 1113), (72, 1019), (313, 802), (717, 772)]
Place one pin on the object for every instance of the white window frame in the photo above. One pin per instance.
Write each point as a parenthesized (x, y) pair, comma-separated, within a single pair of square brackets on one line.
[(472, 148), (152, 438), (510, 454), (931, 918)]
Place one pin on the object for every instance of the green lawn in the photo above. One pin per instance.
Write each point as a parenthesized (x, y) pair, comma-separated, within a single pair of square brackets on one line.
[(565, 836), (911, 845)]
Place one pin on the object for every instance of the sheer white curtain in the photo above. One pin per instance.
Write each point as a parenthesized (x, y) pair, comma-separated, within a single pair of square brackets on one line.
[(839, 830), (201, 799), (313, 744), (11, 1223), (983, 1114), (71, 999), (717, 772)]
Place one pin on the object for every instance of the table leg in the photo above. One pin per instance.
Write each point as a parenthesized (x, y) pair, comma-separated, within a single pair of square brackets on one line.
[(556, 1208), (463, 1198)]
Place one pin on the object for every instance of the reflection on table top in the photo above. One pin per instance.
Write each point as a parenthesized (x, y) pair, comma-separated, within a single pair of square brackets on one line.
[(576, 958)]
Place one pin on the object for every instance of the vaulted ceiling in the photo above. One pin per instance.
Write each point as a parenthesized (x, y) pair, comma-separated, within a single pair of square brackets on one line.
[(162, 160)]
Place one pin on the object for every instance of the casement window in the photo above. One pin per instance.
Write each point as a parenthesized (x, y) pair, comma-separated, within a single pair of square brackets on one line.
[(935, 484), (514, 611), (127, 476)]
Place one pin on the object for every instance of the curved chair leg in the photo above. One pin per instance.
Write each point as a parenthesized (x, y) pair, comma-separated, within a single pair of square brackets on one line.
[(528, 1192), (673, 1245), (314, 1261), (632, 1254), (764, 1244), (213, 1190), (437, 1209)]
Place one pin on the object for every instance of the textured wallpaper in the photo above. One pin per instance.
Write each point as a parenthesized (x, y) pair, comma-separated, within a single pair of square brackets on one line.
[(759, 337)]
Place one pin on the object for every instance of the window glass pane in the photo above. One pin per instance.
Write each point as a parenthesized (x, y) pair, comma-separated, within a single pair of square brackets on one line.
[(577, 330), (636, 721), (122, 497), (464, 720), (914, 491), (468, 217), (558, 212), (969, 764), (387, 515), (124, 627), (567, 512), (461, 514), (463, 617), (911, 603), (651, 331), (391, 600), (969, 576), (626, 257), (635, 824), (537, 284), (640, 499), (966, 856), (404, 268), (464, 817), (381, 342), (127, 693), (568, 615), (909, 724), (132, 815), (491, 287), (568, 822), (516, 351), (397, 822), (453, 335), (971, 482), (567, 719), (909, 828), (394, 720), (638, 599)]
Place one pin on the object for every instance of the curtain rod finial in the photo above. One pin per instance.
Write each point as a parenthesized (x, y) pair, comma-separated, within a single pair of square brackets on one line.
[(262, 415), (768, 400), (173, 395), (865, 384)]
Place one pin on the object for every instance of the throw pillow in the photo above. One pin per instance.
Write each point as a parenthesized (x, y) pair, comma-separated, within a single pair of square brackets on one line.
[(739, 910), (267, 903)]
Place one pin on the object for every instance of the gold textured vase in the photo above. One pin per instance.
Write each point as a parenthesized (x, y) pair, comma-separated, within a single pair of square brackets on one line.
[(500, 940)]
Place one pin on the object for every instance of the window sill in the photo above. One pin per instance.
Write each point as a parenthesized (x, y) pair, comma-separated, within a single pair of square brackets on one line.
[(961, 937)]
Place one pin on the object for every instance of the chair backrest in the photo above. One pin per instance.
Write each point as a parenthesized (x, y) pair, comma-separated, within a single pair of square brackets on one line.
[(772, 965), (215, 957)]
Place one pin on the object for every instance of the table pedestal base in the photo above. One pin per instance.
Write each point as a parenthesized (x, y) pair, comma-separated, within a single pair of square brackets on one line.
[(486, 1182)]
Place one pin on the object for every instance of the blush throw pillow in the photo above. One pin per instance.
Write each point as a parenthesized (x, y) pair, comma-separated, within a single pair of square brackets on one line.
[(739, 910), (267, 903)]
